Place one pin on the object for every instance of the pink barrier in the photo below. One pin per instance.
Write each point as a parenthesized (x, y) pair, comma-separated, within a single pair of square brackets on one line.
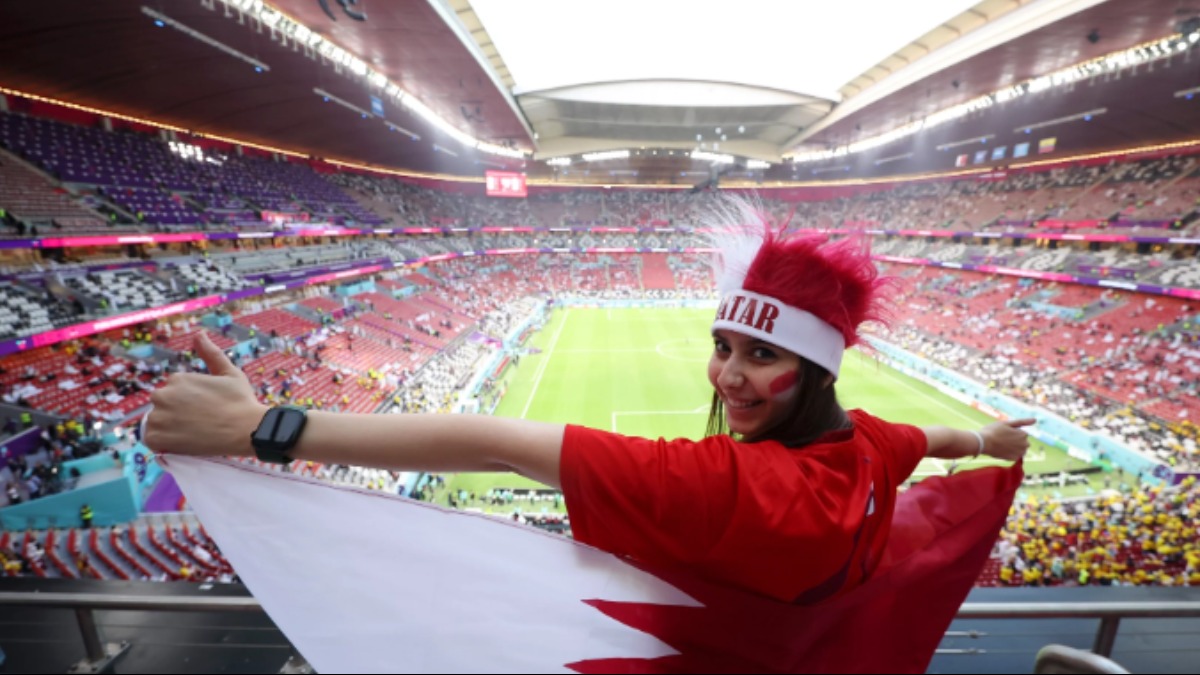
[(929, 233), (1081, 237), (329, 232), (101, 325), (1030, 274), (909, 261), (1190, 293), (510, 251), (109, 240), (342, 275)]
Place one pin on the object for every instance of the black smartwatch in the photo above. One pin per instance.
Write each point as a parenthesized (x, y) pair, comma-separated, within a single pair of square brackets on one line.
[(277, 433)]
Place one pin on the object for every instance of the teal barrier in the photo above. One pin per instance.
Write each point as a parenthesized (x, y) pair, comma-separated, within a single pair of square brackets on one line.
[(245, 348), (140, 351), (1070, 313), (113, 502), (141, 470), (1052, 429), (217, 320), (354, 288), (98, 462)]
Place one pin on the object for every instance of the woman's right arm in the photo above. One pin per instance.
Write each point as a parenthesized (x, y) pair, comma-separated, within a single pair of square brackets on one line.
[(1002, 440), (215, 414)]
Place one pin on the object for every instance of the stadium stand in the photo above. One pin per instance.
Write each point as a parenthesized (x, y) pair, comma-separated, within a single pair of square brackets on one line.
[(31, 199)]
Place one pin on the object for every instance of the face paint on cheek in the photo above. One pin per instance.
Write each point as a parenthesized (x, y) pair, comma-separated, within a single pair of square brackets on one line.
[(784, 384)]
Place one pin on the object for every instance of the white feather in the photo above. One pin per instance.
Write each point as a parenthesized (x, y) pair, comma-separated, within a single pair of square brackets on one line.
[(736, 229)]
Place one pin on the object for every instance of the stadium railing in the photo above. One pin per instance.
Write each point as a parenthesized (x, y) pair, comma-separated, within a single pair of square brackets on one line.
[(100, 654)]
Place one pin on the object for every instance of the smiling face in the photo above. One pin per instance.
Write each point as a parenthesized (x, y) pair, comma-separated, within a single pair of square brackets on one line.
[(757, 382)]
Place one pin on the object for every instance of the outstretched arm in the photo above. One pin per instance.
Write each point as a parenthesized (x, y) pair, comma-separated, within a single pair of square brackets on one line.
[(215, 414), (1002, 440)]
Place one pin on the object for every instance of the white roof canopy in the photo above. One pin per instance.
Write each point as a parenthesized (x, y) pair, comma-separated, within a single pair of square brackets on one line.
[(808, 47)]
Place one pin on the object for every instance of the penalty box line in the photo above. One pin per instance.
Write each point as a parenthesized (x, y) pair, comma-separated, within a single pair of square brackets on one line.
[(642, 413)]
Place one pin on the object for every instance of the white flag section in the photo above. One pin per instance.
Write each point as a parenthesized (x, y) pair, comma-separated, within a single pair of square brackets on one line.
[(361, 581)]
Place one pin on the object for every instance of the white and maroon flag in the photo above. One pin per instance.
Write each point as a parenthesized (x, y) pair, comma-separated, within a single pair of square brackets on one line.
[(361, 581)]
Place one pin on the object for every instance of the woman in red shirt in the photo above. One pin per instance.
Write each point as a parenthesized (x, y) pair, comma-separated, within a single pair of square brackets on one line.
[(789, 497)]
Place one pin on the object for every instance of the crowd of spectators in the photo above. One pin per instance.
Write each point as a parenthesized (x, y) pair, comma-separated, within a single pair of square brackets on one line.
[(1126, 365), (26, 476), (146, 182), (1140, 537), (943, 317)]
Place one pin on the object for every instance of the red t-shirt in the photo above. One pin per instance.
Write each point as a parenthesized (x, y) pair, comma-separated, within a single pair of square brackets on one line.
[(797, 525)]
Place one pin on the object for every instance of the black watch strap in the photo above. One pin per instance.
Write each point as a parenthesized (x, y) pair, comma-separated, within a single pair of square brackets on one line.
[(278, 433)]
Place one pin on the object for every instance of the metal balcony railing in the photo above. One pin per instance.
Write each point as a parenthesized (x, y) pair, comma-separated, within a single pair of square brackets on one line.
[(99, 654)]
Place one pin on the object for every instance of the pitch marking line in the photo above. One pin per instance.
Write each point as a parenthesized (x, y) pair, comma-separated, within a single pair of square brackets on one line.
[(888, 371), (606, 351), (940, 465), (1030, 457), (537, 377), (630, 413)]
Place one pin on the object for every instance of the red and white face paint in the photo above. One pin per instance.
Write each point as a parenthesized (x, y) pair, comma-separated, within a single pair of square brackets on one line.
[(757, 381), (785, 385)]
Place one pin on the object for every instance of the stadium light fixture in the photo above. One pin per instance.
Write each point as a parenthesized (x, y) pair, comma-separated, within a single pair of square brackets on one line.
[(604, 156), (1147, 52), (314, 43), (713, 157), (161, 19), (1086, 116), (559, 161), (396, 127), (894, 158), (340, 101)]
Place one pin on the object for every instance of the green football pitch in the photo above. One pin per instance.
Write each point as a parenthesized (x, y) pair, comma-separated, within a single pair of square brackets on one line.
[(642, 372)]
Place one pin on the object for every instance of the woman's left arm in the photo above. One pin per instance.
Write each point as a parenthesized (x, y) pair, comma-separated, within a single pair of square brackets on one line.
[(215, 414)]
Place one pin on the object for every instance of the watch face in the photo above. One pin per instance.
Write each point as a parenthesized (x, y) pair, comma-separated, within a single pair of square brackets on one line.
[(278, 430), (289, 425), (266, 429)]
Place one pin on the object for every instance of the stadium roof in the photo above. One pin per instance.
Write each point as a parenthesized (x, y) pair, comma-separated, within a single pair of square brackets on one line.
[(600, 75), (423, 85), (768, 73), (805, 47)]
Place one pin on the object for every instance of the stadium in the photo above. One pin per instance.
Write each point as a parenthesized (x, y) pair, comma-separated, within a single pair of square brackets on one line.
[(483, 208)]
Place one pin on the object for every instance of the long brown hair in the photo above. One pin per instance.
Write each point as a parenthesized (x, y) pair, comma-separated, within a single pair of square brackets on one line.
[(815, 411)]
